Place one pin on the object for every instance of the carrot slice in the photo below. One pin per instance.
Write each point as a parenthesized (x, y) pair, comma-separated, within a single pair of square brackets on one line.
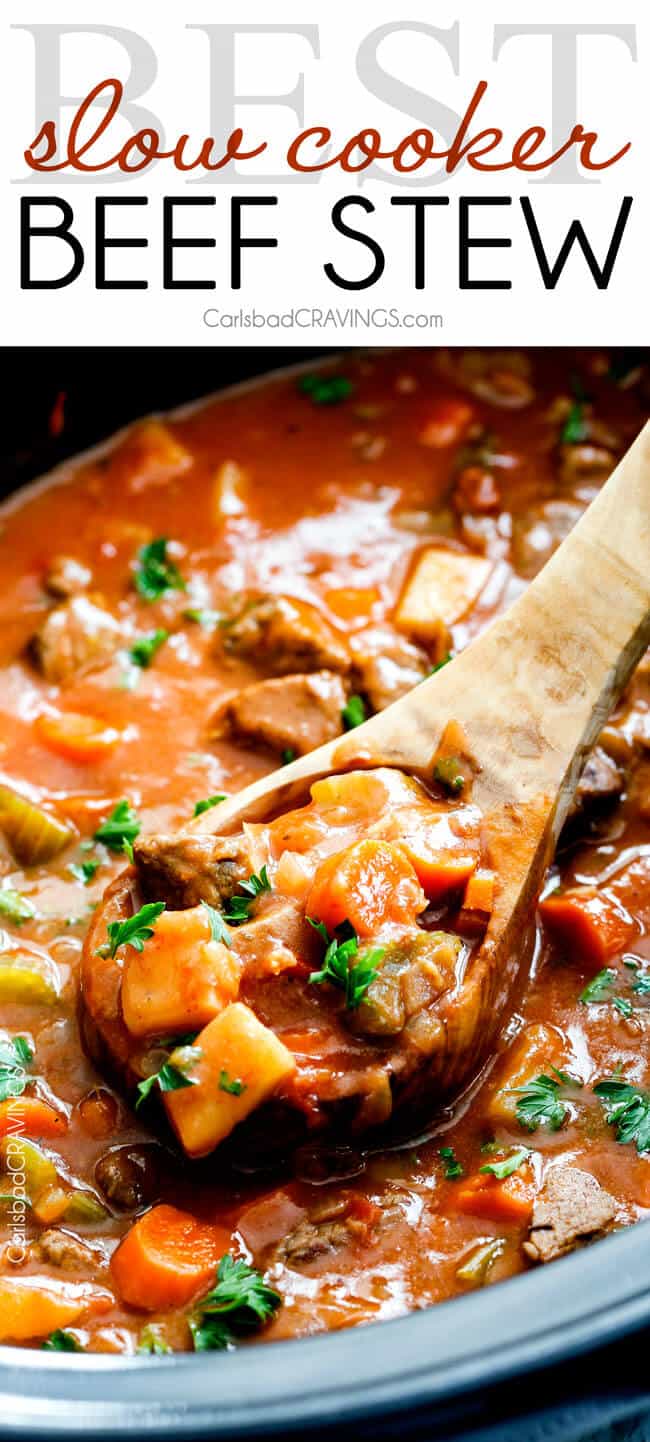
[(75, 737), (509, 1201), (367, 884), (438, 871), (479, 892), (30, 1116), (353, 603), (589, 922), (166, 1258)]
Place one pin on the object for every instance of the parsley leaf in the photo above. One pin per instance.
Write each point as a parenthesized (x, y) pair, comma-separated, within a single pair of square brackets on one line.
[(598, 987), (144, 649), (233, 1086), (451, 1164), (574, 429), (326, 390), (239, 1303), (15, 1055), (60, 1341), (207, 804), (14, 906), (119, 829), (439, 664), (155, 573), (218, 929), (84, 872), (540, 1103), (510, 1164), (170, 1078), (354, 712), (205, 618), (288, 755), (628, 1109), (623, 1005), (642, 985), (134, 931), (340, 968), (238, 908)]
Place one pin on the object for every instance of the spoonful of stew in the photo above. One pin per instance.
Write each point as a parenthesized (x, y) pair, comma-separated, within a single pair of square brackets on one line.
[(337, 947)]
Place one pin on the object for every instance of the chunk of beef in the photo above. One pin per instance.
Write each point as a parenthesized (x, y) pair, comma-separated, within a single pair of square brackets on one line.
[(294, 713), (66, 577), (332, 1224), (58, 1248), (385, 666), (129, 1177), (184, 870), (276, 936), (571, 1210), (77, 636), (600, 785), (282, 634)]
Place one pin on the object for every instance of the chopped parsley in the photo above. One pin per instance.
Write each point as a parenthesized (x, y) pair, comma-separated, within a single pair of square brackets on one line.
[(326, 390), (288, 755), (14, 906), (340, 968), (232, 1085), (15, 1056), (207, 619), (144, 649), (155, 573), (448, 772), (510, 1164), (60, 1341), (574, 429), (84, 871), (238, 908), (218, 929), (119, 830), (238, 1304), (354, 712), (642, 984), (439, 664), (540, 1104), (172, 1076), (598, 987), (628, 1109), (451, 1164), (207, 804), (134, 931), (623, 1005)]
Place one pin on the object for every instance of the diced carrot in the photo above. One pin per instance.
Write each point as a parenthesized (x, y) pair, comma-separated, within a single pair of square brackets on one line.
[(438, 871), (240, 1064), (50, 1205), (479, 892), (30, 1116), (447, 421), (367, 884), (181, 979), (588, 921), (32, 1307), (75, 737), (166, 1258), (352, 602), (484, 1195)]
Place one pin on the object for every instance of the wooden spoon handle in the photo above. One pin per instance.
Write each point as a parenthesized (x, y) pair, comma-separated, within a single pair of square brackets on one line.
[(535, 689)]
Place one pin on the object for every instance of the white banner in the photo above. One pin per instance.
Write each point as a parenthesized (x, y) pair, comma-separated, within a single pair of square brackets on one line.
[(509, 203)]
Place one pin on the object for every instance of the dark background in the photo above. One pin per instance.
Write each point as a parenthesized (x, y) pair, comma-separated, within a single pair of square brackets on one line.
[(60, 401)]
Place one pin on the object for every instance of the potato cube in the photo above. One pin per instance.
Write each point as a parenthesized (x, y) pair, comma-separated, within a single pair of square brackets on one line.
[(441, 588), (181, 979), (535, 1052), (242, 1063)]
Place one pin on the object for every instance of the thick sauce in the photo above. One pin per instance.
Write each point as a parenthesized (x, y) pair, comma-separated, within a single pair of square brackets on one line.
[(329, 497)]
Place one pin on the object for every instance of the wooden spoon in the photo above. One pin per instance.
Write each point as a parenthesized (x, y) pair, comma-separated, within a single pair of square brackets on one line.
[(531, 695)]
